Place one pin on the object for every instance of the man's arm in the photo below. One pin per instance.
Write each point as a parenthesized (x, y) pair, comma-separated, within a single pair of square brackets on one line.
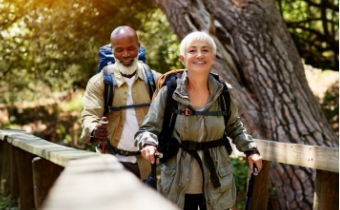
[(93, 107)]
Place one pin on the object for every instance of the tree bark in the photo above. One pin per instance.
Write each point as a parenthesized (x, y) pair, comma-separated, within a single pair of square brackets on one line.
[(257, 56)]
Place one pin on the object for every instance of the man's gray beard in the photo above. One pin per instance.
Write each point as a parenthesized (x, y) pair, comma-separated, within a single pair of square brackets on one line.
[(127, 70)]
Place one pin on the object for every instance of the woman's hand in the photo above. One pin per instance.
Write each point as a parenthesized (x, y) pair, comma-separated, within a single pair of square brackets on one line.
[(255, 159), (148, 152)]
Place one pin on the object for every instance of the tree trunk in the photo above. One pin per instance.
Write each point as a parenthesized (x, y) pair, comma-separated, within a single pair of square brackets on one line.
[(257, 56)]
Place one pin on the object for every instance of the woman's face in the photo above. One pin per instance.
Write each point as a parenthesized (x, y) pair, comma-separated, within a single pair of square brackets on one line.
[(198, 56)]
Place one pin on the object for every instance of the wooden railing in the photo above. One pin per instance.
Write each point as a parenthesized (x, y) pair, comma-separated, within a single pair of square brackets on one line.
[(324, 159), (44, 175), (82, 180)]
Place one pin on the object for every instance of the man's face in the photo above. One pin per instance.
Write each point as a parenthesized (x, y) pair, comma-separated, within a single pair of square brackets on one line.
[(125, 49)]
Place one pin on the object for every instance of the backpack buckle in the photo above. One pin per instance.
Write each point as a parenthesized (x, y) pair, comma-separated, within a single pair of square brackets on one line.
[(186, 112)]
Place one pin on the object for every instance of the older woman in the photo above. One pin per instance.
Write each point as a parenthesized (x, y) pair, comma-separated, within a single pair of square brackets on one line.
[(187, 178)]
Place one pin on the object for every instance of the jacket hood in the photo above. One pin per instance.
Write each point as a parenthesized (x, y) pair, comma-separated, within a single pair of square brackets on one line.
[(181, 93)]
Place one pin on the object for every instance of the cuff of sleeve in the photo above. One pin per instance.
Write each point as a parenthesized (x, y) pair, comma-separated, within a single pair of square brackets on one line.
[(251, 152), (149, 144), (145, 138)]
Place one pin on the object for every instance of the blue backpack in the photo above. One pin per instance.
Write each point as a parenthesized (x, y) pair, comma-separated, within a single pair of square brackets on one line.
[(106, 65)]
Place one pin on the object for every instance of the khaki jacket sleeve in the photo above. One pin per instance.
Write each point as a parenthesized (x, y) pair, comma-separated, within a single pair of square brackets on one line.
[(235, 128), (93, 106), (156, 75)]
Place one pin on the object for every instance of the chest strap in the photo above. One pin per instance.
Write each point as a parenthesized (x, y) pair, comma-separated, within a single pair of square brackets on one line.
[(192, 147), (118, 108), (188, 112)]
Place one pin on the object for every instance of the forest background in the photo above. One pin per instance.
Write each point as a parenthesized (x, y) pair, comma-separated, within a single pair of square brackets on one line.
[(49, 50)]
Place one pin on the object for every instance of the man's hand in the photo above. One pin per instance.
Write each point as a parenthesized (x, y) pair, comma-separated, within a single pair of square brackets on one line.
[(100, 131), (148, 153)]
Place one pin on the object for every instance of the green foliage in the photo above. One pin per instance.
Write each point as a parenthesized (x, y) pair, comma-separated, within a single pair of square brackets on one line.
[(8, 203), (75, 104), (240, 176), (54, 44), (161, 43), (330, 107), (314, 27)]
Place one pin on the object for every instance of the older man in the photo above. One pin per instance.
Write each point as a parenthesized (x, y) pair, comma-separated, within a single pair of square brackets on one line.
[(130, 89)]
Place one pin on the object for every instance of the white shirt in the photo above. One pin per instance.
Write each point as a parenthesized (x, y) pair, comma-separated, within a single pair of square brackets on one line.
[(130, 127)]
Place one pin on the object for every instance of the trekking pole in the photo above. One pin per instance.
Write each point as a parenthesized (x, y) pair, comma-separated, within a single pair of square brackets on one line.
[(251, 185), (154, 165), (103, 122), (152, 179)]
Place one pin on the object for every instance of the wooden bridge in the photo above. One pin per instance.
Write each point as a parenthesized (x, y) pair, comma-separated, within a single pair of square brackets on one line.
[(42, 175)]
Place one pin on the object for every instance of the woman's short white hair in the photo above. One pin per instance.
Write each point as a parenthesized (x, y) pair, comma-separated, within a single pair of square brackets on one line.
[(196, 35)]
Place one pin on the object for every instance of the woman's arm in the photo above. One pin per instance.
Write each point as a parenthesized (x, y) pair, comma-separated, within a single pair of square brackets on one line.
[(152, 123)]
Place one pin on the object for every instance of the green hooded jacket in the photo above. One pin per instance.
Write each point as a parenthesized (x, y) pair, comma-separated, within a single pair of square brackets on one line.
[(175, 172)]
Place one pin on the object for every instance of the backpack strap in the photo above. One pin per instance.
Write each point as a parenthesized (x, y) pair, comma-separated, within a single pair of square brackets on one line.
[(192, 147), (110, 83), (149, 79), (109, 87), (167, 145), (199, 161), (224, 100), (169, 114)]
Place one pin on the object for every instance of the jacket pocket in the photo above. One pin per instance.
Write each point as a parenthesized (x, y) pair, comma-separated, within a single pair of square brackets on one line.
[(225, 173), (167, 178)]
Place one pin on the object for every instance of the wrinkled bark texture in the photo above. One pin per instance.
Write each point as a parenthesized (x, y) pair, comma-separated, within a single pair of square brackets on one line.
[(257, 56)]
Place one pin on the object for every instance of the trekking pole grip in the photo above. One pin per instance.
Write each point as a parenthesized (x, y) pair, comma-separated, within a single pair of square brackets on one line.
[(255, 170), (103, 122), (158, 155)]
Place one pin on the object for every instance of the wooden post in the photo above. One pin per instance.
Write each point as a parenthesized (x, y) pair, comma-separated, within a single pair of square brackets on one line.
[(326, 194), (5, 169), (14, 179), (259, 199), (24, 164), (44, 175)]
